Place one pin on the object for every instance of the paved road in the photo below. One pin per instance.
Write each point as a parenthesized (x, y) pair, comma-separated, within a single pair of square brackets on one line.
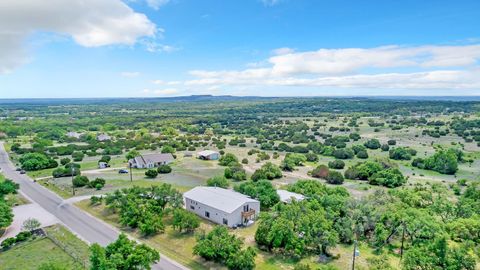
[(87, 227)]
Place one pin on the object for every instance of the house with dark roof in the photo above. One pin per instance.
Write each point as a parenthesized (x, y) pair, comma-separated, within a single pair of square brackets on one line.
[(148, 161)]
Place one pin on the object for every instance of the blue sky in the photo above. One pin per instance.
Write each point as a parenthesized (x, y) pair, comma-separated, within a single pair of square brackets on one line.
[(143, 48)]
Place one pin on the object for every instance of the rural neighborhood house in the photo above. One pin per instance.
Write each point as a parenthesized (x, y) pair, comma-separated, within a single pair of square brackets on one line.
[(150, 160), (222, 206), (208, 155)]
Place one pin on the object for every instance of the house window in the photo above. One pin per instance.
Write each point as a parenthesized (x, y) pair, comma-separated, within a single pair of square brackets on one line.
[(245, 208), (207, 214), (192, 207), (225, 221)]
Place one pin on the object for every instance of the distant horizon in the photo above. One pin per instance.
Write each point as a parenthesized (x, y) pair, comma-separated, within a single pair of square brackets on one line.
[(271, 48), (466, 97)]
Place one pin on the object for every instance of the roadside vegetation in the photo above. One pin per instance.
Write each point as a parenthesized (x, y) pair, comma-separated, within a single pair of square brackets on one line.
[(400, 180)]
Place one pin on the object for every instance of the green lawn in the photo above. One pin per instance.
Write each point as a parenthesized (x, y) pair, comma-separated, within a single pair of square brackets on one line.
[(31, 254)]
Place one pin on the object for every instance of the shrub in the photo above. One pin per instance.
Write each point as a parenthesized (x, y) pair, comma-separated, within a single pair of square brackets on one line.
[(164, 169), (372, 144), (335, 178), (362, 154), (336, 164), (244, 161), (321, 171), (80, 181), (64, 161), (218, 181), (227, 160), (151, 173), (392, 142), (78, 156), (98, 183)]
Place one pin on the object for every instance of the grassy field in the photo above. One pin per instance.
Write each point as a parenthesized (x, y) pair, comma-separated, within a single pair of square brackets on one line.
[(33, 253), (179, 247)]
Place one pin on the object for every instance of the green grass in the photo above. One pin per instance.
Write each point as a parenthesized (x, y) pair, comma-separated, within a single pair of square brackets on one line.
[(73, 244), (179, 247), (31, 254)]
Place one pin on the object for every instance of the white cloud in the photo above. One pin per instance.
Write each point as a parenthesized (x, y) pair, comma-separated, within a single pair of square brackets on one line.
[(156, 4), (270, 2), (282, 51), (162, 92), (154, 47), (90, 23), (130, 74), (341, 61), (429, 67)]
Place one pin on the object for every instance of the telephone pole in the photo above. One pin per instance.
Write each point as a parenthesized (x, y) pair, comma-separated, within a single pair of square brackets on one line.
[(72, 173), (130, 169)]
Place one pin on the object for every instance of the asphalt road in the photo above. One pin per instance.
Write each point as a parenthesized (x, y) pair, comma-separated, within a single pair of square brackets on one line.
[(87, 227)]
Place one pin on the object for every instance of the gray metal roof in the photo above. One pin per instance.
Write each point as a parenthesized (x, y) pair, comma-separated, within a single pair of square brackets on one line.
[(286, 196), (225, 200), (207, 153)]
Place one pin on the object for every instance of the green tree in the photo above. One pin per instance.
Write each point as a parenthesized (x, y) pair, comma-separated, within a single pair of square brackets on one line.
[(31, 224), (243, 260), (268, 171), (184, 220), (151, 173), (261, 190), (228, 159), (132, 154), (123, 254), (218, 181), (163, 169)]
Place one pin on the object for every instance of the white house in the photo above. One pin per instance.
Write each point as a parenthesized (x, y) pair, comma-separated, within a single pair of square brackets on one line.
[(287, 196), (73, 134), (151, 160), (222, 206), (103, 137), (208, 155), (103, 165)]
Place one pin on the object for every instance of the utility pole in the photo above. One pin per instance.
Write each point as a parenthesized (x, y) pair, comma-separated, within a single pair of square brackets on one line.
[(73, 186), (403, 239), (354, 254), (130, 169)]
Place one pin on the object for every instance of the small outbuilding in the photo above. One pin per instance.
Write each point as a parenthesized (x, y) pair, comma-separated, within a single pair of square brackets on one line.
[(222, 206), (208, 155), (103, 165), (149, 161), (287, 196)]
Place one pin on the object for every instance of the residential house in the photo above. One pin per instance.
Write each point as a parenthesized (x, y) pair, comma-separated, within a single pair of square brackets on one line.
[(103, 137), (222, 206), (151, 160), (73, 134), (287, 196), (208, 155)]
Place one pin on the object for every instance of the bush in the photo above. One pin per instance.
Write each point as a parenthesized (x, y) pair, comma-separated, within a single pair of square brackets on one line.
[(335, 178), (151, 173), (372, 144), (244, 161), (392, 142), (98, 183), (321, 171), (80, 181), (268, 171), (78, 156), (385, 147), (227, 160), (336, 164), (7, 243), (218, 181), (64, 161), (163, 169), (362, 154)]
